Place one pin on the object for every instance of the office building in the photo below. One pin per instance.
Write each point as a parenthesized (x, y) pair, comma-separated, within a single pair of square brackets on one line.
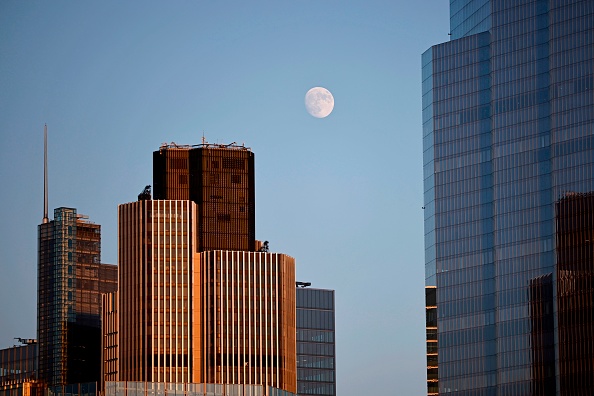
[(575, 293), (125, 388), (71, 280), (18, 370), (431, 340), (220, 180), (155, 254), (248, 319), (508, 115), (186, 312), (316, 345), (224, 317)]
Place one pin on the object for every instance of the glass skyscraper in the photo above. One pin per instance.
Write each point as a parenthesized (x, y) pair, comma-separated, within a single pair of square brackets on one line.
[(316, 354), (71, 280), (508, 140)]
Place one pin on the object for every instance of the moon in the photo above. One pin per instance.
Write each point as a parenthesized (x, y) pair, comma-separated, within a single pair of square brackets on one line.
[(319, 102)]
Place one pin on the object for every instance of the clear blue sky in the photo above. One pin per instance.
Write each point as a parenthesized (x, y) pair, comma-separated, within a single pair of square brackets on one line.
[(343, 195)]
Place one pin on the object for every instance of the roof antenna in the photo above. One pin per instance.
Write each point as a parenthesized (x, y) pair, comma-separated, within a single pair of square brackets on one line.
[(203, 138), (45, 219)]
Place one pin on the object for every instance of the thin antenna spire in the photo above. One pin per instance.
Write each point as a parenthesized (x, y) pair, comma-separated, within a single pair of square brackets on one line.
[(45, 218)]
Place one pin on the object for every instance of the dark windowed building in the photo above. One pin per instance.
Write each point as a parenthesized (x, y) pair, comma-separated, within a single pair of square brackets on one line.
[(575, 293), (431, 332), (18, 370), (220, 180), (316, 354), (508, 140), (71, 280)]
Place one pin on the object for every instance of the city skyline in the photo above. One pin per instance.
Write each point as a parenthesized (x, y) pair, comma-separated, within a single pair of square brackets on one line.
[(342, 195)]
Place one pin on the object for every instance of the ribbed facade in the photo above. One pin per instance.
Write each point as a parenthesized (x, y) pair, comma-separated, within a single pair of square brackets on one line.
[(110, 337), (574, 217), (249, 318), (197, 303), (155, 290)]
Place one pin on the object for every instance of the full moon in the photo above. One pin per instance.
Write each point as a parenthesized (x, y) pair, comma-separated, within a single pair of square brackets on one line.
[(319, 102)]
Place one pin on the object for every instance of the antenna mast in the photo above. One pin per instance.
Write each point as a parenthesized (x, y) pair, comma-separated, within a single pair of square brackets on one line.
[(45, 218)]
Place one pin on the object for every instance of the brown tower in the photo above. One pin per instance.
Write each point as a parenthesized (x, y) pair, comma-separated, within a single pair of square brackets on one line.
[(220, 180), (575, 292)]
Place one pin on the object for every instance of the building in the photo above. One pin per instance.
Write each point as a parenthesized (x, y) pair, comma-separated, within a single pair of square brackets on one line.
[(18, 370), (124, 388), (156, 281), (431, 343), (248, 319), (574, 218), (220, 180), (71, 280), (316, 344), (187, 312), (508, 112)]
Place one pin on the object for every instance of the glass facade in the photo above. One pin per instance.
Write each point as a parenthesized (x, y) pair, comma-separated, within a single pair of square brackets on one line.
[(575, 293), (508, 135), (316, 354), (431, 333), (71, 280), (121, 388), (18, 364), (224, 317)]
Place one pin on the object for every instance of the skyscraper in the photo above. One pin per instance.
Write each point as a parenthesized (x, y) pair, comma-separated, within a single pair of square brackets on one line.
[(156, 290), (71, 280), (316, 344), (196, 302), (508, 115), (220, 180)]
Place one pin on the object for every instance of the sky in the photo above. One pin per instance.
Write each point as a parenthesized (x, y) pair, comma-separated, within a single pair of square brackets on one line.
[(343, 194)]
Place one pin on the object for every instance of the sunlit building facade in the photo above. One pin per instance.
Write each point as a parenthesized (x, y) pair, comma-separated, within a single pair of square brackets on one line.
[(196, 302), (225, 317), (220, 180), (156, 280), (574, 274), (18, 370), (247, 319), (71, 280), (431, 340), (125, 388), (316, 343), (508, 139)]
